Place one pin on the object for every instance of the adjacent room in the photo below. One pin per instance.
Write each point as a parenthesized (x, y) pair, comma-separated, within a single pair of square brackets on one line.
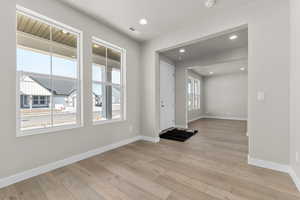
[(206, 79), (154, 100)]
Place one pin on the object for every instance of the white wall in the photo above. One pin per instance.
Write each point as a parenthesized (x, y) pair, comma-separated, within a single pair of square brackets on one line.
[(226, 96), (196, 114), (181, 79), (19, 154), (295, 86), (268, 26)]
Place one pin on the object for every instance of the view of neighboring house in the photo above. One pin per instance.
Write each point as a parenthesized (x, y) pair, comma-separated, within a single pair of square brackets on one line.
[(36, 92)]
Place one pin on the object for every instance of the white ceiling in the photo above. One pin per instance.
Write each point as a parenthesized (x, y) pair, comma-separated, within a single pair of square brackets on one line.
[(163, 15), (222, 68), (210, 46)]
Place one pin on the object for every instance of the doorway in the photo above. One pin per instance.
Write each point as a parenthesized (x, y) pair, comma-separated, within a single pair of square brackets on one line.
[(167, 95)]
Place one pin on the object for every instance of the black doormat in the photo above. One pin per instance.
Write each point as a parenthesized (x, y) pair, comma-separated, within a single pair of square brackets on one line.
[(177, 134)]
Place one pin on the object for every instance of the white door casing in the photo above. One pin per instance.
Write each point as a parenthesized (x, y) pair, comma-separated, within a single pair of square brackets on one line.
[(167, 95)]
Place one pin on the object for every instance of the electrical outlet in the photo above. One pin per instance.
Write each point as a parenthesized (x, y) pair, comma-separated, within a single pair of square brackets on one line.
[(297, 157)]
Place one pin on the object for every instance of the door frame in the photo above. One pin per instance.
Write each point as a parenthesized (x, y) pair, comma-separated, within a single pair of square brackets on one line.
[(163, 60), (157, 74)]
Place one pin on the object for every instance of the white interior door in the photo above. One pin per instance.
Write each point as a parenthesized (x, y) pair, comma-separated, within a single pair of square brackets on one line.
[(167, 95)]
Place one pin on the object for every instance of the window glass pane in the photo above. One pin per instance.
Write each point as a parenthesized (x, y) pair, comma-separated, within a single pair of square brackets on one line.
[(33, 60), (106, 83), (98, 72), (47, 70), (99, 54), (64, 77), (116, 103), (114, 66), (99, 102)]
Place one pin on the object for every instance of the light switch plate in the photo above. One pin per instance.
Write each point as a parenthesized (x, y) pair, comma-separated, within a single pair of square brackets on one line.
[(260, 96)]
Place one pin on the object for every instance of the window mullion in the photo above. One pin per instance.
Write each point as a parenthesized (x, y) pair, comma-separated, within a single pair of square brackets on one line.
[(51, 78)]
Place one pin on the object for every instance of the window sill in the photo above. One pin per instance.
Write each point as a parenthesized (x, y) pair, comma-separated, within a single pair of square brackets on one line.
[(46, 130), (108, 121)]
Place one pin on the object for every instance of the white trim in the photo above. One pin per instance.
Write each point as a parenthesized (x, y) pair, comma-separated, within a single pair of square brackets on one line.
[(195, 119), (180, 126), (150, 139), (123, 81), (268, 164), (67, 161), (295, 178), (277, 167), (226, 118), (79, 80)]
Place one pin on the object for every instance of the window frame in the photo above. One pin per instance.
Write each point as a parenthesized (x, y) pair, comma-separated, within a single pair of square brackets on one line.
[(194, 96), (122, 85), (79, 107)]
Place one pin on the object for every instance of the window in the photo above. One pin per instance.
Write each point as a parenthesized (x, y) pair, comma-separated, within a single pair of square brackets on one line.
[(194, 94), (48, 74), (197, 95), (108, 87)]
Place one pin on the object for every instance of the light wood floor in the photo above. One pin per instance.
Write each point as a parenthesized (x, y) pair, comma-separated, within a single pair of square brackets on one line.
[(212, 165)]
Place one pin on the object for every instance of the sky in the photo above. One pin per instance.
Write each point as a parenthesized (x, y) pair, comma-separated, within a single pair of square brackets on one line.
[(29, 61)]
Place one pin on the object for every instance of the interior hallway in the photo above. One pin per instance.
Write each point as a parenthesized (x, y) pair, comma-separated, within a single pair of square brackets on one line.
[(211, 165)]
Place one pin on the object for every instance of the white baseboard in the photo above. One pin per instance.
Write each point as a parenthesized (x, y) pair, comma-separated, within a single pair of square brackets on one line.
[(226, 118), (276, 167), (195, 119), (150, 139), (180, 126), (61, 163), (268, 165), (295, 178)]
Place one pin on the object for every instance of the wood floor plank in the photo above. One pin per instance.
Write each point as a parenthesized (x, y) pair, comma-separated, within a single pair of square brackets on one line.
[(212, 165), (75, 185), (9, 193), (54, 189), (30, 190)]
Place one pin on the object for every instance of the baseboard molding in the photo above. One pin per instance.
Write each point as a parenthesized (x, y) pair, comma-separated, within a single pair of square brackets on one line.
[(179, 126), (195, 119), (268, 165), (295, 178), (226, 118), (150, 139), (61, 163), (276, 167)]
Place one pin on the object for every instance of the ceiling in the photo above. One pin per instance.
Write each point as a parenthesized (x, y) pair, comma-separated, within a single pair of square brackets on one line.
[(210, 46), (163, 15), (222, 68)]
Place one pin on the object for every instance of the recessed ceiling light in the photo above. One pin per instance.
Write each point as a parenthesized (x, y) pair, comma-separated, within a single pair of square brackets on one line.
[(233, 37), (211, 73), (182, 50), (96, 45), (242, 68), (210, 3), (143, 21)]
